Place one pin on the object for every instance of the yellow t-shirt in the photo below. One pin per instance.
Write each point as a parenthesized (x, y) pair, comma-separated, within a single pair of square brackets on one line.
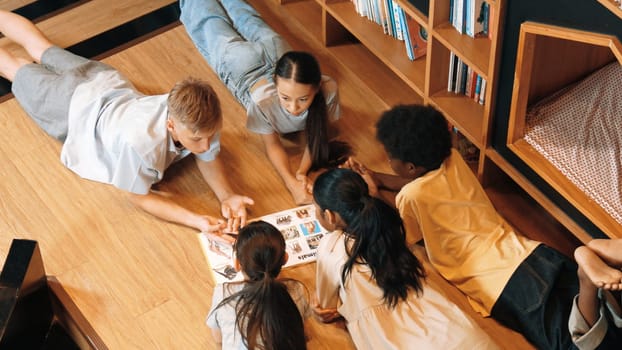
[(467, 241)]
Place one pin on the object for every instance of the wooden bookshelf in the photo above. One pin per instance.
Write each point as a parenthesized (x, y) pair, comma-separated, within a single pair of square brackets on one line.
[(341, 19), (427, 76)]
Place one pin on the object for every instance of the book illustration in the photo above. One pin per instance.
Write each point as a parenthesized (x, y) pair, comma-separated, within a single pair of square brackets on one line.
[(416, 38), (300, 228)]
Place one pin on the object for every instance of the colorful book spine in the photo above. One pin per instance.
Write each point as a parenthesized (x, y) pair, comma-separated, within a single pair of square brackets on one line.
[(478, 88), (416, 38), (451, 80), (458, 16), (475, 14), (482, 93), (459, 69), (469, 82), (406, 34), (398, 24), (465, 76)]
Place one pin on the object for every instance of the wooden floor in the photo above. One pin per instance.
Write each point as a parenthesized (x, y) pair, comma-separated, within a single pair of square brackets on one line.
[(143, 283)]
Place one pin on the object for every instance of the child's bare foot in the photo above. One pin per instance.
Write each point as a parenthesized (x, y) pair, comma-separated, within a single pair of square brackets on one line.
[(609, 250), (601, 274)]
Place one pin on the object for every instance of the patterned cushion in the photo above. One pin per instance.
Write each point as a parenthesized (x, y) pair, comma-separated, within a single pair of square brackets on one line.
[(579, 130)]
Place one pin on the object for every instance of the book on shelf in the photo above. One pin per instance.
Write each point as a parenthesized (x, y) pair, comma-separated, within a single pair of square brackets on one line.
[(464, 78), (475, 15), (385, 18), (485, 19), (299, 226), (458, 15), (460, 74), (451, 11), (415, 37), (468, 91), (399, 30), (478, 87), (391, 22), (471, 17), (453, 64), (482, 92)]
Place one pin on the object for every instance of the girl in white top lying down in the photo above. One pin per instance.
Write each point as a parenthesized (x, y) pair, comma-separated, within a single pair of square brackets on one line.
[(367, 274)]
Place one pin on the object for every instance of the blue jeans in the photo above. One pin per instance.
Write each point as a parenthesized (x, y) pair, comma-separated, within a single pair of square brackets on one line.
[(239, 46), (537, 299)]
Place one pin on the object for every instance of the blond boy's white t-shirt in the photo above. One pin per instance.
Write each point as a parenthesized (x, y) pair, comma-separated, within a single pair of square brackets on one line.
[(117, 135), (466, 239)]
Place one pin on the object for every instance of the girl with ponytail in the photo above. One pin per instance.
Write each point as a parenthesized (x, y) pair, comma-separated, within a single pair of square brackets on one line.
[(263, 311), (367, 274), (282, 90)]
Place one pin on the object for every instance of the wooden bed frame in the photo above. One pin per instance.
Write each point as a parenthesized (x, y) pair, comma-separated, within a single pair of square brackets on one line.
[(550, 58)]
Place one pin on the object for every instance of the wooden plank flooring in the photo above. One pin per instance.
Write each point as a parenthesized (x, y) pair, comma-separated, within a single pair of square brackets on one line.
[(141, 282)]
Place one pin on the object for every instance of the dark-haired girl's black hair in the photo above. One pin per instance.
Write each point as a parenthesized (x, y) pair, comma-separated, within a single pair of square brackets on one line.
[(415, 133), (303, 68), (266, 315), (377, 234)]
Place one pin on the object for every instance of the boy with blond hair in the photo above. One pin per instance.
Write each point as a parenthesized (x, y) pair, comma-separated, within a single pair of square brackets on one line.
[(112, 133)]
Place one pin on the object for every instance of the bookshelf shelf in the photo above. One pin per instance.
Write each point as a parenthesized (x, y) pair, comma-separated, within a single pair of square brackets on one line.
[(414, 12), (463, 112), (428, 76), (475, 52), (390, 51)]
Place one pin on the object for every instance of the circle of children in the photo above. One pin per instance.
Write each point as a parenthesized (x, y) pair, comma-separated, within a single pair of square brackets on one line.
[(366, 272)]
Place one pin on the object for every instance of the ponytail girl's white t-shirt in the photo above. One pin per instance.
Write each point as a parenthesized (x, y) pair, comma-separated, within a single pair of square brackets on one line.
[(223, 318)]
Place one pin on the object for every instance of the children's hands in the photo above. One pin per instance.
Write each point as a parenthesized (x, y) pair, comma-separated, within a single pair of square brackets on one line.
[(300, 192), (233, 208), (306, 182), (325, 315), (214, 228), (367, 174)]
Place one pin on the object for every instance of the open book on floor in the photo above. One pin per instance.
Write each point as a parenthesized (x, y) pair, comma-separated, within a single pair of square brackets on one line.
[(299, 226)]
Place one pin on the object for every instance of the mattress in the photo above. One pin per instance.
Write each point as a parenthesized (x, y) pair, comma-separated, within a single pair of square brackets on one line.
[(579, 130)]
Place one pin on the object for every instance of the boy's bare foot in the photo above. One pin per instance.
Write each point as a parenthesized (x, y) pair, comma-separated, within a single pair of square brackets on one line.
[(609, 250), (601, 274)]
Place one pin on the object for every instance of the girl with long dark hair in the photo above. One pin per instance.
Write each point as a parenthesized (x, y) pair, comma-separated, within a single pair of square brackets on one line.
[(283, 91), (367, 274), (263, 311)]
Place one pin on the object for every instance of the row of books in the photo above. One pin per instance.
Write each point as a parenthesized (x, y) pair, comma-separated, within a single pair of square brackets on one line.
[(471, 17), (464, 80), (396, 23)]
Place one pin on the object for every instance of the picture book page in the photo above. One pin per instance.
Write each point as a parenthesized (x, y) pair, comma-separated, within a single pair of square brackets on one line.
[(299, 226)]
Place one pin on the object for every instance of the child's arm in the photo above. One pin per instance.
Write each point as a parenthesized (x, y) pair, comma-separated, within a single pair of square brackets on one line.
[(375, 179), (327, 279), (162, 207), (280, 161), (389, 181), (233, 206), (217, 335), (212, 320), (305, 165)]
